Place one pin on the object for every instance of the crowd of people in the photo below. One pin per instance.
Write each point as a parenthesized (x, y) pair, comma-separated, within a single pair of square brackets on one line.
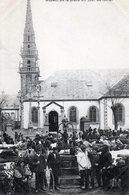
[(91, 147), (38, 158), (7, 139)]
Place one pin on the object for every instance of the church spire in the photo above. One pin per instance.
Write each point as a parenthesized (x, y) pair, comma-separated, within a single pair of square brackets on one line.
[(29, 35), (29, 30), (29, 69)]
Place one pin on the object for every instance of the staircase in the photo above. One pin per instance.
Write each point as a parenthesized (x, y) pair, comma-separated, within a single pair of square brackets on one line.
[(69, 174)]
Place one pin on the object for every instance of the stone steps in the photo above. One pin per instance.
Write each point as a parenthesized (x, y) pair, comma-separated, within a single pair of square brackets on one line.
[(67, 156), (68, 161), (69, 187), (69, 180), (69, 171)]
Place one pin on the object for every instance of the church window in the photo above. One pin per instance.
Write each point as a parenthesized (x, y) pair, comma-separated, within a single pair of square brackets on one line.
[(119, 112), (34, 115), (28, 61), (93, 114), (28, 38), (73, 114)]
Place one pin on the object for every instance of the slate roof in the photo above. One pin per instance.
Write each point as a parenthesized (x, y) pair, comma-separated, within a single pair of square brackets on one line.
[(121, 88), (80, 84)]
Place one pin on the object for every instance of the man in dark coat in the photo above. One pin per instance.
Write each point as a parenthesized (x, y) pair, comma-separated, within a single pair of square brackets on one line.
[(105, 162), (53, 162), (40, 166)]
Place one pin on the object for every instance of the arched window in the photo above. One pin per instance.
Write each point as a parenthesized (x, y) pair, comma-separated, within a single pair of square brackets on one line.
[(34, 115), (119, 112), (28, 61), (73, 114), (93, 114)]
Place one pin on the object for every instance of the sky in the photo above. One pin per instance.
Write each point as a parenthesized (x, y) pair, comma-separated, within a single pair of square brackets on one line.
[(69, 35)]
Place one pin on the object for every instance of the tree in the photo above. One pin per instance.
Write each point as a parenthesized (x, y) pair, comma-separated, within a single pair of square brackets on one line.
[(116, 94), (3, 101)]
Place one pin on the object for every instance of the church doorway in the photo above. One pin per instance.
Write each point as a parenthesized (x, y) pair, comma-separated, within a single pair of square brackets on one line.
[(53, 121), (82, 123)]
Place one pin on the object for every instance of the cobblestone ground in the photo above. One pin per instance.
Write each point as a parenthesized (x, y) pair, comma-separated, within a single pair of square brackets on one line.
[(76, 192)]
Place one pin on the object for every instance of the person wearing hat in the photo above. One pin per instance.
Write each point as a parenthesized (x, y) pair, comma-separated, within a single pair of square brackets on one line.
[(105, 162), (84, 166), (53, 163), (40, 166)]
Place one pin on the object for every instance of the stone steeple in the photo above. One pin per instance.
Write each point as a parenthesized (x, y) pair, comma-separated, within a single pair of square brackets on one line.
[(29, 23), (29, 70)]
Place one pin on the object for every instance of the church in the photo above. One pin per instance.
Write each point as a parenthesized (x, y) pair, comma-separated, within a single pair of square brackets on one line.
[(85, 98)]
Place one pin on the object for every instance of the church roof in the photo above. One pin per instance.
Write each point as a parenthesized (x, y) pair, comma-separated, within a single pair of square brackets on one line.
[(121, 88), (80, 84)]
